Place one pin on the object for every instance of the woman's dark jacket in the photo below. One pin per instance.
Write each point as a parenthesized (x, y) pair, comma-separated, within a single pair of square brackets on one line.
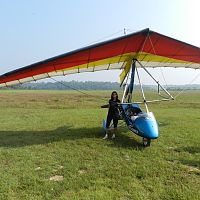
[(113, 108)]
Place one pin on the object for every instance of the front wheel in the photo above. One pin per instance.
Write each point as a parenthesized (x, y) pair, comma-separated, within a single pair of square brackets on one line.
[(146, 142)]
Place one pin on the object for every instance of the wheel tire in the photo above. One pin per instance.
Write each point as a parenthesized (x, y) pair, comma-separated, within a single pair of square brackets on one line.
[(146, 142)]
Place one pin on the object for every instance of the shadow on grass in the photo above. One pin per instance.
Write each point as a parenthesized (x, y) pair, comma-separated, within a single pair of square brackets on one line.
[(14, 139), (125, 141), (191, 149), (192, 163)]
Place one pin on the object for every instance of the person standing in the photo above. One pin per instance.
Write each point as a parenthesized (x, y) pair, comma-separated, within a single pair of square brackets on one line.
[(113, 114)]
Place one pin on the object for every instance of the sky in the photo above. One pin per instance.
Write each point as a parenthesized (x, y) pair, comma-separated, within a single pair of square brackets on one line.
[(34, 30)]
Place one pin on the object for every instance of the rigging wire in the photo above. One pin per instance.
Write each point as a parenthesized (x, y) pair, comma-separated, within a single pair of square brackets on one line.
[(141, 88), (131, 30), (182, 91), (105, 37), (163, 76), (80, 91), (159, 67), (122, 31), (155, 80)]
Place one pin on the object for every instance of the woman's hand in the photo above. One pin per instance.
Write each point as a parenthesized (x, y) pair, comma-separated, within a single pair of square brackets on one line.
[(105, 106)]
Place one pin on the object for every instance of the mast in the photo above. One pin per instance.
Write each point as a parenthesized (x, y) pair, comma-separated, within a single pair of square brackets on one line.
[(132, 78)]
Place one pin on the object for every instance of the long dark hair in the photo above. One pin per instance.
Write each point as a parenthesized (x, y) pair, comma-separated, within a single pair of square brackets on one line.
[(114, 92)]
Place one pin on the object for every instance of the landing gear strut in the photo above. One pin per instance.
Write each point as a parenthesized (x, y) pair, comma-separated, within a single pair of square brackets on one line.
[(146, 142)]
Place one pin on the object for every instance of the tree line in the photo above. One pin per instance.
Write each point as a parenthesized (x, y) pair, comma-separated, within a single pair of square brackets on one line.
[(92, 85)]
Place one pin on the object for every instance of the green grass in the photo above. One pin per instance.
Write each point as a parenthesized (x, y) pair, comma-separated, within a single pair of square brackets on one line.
[(48, 133)]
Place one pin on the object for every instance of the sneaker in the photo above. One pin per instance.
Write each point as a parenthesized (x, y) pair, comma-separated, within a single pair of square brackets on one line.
[(113, 136), (105, 137)]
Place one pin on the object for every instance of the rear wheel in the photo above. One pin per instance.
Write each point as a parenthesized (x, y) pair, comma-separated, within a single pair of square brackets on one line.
[(146, 142)]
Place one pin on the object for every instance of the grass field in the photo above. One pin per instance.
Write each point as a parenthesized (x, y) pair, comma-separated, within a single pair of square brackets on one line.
[(58, 133)]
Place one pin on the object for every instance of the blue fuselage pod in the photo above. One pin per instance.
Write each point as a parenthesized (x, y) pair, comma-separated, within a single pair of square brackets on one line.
[(147, 125)]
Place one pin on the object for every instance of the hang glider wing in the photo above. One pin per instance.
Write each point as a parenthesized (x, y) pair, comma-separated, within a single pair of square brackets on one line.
[(150, 48)]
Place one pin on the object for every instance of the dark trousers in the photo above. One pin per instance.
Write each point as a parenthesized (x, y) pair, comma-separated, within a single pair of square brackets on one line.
[(111, 117)]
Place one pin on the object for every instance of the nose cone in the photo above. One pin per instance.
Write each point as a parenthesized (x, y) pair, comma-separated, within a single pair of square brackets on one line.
[(147, 126)]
